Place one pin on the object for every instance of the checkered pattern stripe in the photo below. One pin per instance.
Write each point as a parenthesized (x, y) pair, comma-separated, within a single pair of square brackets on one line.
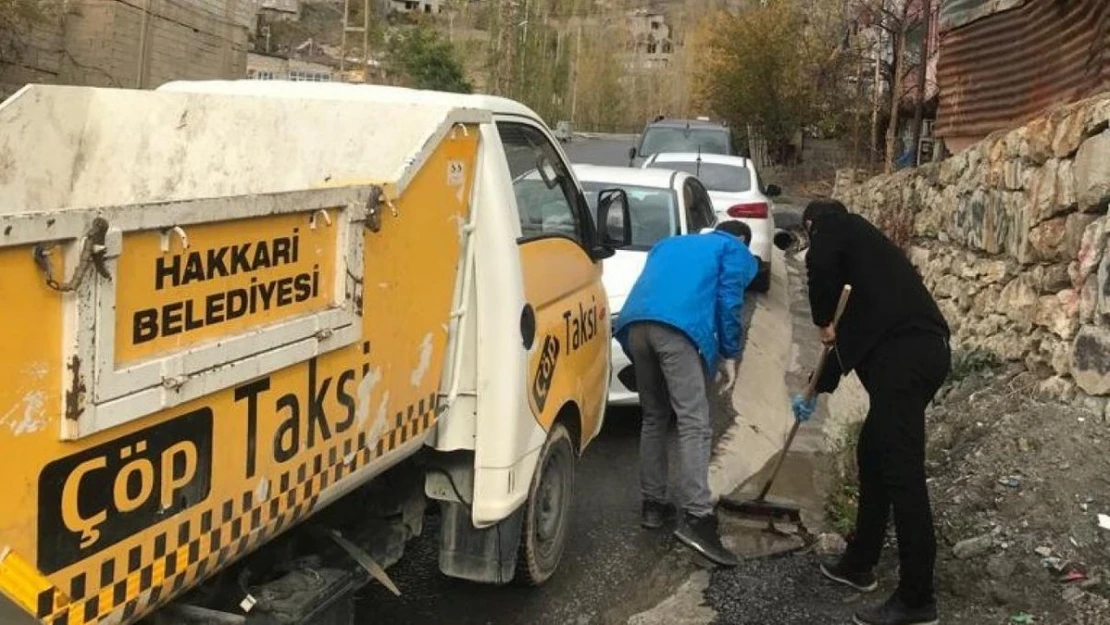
[(152, 574)]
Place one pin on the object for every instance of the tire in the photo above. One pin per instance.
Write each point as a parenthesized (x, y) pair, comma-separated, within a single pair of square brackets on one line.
[(762, 281), (546, 524)]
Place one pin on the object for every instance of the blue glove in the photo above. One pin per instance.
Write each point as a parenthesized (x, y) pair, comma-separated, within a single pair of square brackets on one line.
[(803, 409)]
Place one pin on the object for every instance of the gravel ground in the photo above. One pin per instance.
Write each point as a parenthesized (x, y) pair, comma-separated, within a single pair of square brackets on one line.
[(783, 590), (1017, 485), (1016, 481)]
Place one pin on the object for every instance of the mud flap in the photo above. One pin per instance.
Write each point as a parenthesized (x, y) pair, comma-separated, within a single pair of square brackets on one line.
[(486, 555)]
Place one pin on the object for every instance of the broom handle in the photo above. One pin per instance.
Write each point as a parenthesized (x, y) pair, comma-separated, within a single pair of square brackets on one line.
[(841, 304), (811, 392)]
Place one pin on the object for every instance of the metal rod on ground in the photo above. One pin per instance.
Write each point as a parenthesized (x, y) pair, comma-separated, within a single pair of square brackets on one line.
[(760, 506)]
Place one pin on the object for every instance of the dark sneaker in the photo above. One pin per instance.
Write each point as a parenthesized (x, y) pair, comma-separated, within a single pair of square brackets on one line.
[(896, 612), (837, 571), (656, 513), (701, 535)]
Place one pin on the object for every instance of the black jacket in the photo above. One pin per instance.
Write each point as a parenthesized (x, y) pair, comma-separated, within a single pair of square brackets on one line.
[(888, 296)]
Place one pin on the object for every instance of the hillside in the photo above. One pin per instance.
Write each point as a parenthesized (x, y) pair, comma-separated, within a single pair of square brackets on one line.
[(564, 58)]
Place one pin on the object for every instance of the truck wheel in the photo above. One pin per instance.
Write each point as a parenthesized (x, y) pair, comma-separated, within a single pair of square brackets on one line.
[(547, 511)]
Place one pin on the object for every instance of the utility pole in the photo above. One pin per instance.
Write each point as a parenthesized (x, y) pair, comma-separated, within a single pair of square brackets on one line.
[(506, 46), (144, 48), (574, 83), (364, 30), (857, 113), (523, 54)]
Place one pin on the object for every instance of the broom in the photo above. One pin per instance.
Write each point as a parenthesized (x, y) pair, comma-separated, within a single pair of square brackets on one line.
[(761, 507)]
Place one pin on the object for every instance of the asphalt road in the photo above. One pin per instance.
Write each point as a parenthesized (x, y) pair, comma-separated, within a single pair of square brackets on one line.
[(611, 150), (611, 568)]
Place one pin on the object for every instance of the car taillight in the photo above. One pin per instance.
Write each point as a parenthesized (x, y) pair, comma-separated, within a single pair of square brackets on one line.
[(753, 210)]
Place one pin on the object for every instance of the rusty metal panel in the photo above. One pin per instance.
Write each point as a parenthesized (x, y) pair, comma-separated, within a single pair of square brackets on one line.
[(1002, 70), (956, 13)]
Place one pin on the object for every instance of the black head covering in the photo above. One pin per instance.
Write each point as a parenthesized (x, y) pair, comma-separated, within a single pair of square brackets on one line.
[(820, 208)]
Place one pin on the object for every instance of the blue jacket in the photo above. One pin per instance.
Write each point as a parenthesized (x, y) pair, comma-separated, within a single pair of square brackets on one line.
[(694, 283)]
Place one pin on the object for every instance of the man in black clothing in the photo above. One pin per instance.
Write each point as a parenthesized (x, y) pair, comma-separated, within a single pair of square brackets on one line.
[(894, 337)]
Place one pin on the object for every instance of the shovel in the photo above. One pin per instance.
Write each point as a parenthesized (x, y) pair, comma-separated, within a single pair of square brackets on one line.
[(771, 509)]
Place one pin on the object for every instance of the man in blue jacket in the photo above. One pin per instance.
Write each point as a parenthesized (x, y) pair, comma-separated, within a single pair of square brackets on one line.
[(681, 315)]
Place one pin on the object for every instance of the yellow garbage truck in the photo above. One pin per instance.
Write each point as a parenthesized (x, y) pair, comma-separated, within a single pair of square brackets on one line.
[(234, 306)]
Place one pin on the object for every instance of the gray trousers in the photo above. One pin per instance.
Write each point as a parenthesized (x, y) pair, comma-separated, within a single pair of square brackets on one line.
[(671, 377)]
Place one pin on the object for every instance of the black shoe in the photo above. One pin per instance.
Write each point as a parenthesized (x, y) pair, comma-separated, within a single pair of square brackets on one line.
[(656, 513), (701, 535), (896, 612), (837, 571)]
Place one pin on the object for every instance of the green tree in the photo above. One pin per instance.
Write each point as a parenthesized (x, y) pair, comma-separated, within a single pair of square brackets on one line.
[(778, 67), (753, 71), (424, 60)]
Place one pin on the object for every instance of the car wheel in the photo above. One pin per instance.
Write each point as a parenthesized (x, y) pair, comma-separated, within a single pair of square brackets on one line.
[(547, 511), (762, 281)]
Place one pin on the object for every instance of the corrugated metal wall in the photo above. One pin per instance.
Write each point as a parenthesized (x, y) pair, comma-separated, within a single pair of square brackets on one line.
[(1001, 70), (956, 13)]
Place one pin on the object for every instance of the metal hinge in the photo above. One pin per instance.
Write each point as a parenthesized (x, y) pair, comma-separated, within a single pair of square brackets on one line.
[(93, 252)]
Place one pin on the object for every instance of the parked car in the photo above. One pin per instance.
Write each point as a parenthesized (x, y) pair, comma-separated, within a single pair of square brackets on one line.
[(661, 204), (737, 193), (682, 135)]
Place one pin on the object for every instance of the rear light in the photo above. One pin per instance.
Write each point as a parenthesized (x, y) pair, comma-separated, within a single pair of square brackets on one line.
[(754, 210)]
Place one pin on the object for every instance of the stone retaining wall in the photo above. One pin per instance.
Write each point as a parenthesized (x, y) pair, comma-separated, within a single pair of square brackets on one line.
[(1011, 237)]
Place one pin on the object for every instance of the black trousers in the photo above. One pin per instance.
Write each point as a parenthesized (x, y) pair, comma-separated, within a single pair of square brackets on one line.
[(901, 375)]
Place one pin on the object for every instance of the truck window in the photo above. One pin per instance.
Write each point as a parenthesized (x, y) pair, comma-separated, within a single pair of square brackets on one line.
[(546, 196)]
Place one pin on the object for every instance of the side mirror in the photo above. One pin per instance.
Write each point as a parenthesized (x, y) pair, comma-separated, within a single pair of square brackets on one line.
[(773, 190), (631, 154), (614, 220)]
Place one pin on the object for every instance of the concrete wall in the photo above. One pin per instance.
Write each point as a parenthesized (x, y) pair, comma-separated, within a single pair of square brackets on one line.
[(134, 43), (1011, 236), (37, 57)]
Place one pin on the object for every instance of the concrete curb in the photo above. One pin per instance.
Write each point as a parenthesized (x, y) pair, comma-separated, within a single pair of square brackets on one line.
[(759, 396)]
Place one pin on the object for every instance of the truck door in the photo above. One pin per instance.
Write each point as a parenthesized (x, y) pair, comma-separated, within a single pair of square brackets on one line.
[(569, 358)]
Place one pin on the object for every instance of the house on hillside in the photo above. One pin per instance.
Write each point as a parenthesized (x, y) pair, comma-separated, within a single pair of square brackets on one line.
[(262, 67), (313, 62), (1003, 62), (651, 37), (415, 6), (279, 10)]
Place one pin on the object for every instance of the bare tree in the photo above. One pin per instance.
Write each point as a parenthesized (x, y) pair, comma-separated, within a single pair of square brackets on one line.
[(922, 75), (891, 22)]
